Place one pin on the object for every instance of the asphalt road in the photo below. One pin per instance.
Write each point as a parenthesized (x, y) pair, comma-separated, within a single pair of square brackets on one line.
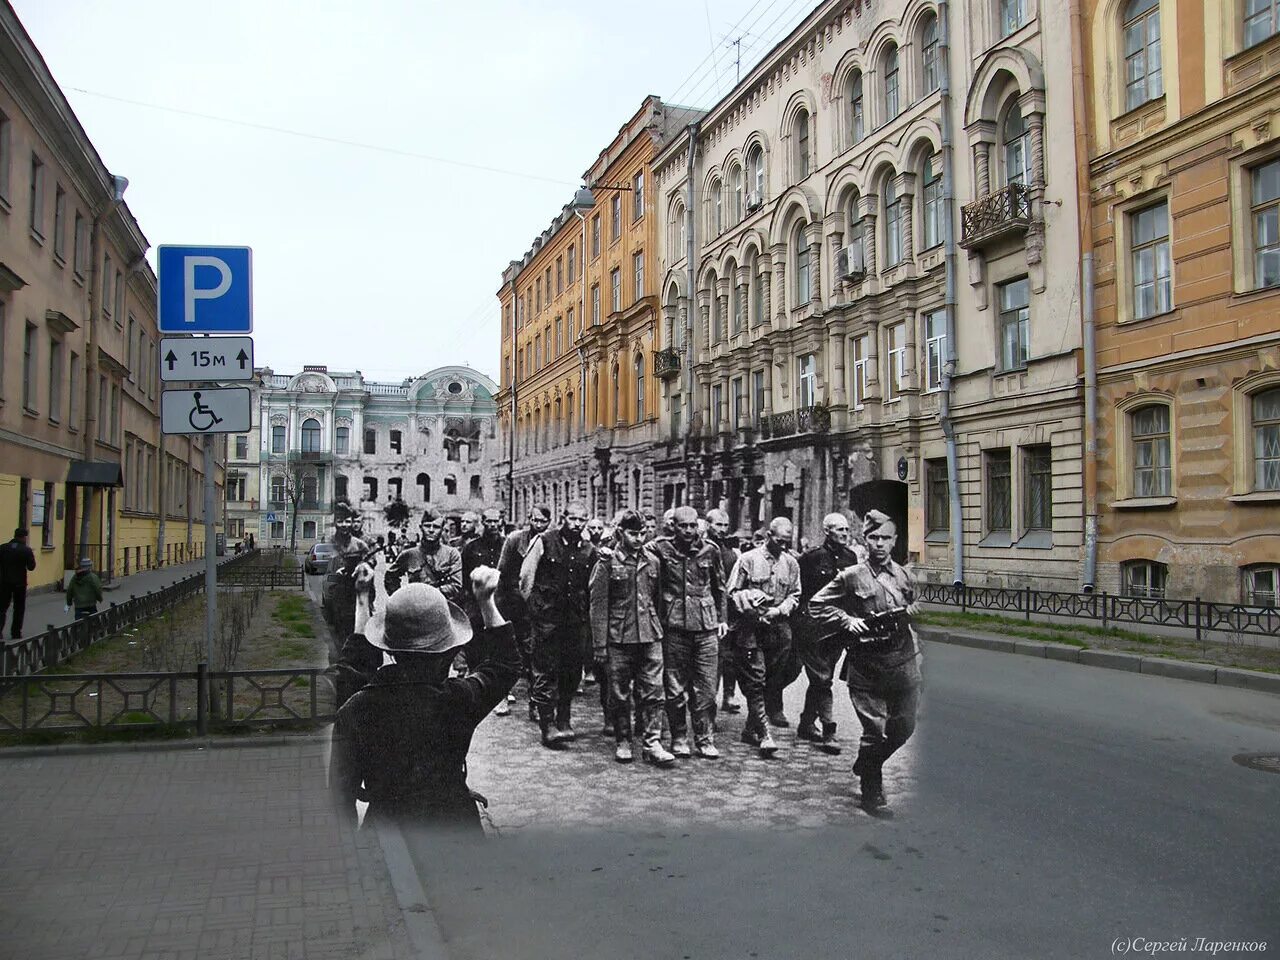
[(1043, 810)]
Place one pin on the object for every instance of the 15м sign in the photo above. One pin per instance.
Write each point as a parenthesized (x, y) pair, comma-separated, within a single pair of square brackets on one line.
[(206, 358), (205, 289)]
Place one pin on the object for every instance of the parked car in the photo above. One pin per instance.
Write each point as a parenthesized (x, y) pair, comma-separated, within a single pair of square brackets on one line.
[(318, 558)]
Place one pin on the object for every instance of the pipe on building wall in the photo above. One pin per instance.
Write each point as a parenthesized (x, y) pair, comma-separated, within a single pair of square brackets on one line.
[(511, 436), (1084, 210), (949, 303), (691, 271)]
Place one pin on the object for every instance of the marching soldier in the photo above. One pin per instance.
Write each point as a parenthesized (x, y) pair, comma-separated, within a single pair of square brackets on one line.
[(441, 563), (819, 652), (627, 636), (482, 551), (718, 534), (514, 549), (872, 604)]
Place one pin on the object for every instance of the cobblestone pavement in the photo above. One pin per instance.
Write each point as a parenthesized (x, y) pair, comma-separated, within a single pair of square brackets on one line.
[(184, 853), (802, 787)]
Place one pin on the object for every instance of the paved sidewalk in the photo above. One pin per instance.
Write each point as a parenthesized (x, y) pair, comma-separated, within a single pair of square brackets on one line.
[(188, 853)]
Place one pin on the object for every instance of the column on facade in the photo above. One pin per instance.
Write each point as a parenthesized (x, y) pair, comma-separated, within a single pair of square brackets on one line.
[(703, 342), (722, 305), (815, 265), (869, 203), (984, 134), (836, 340), (1036, 121), (726, 407), (682, 312), (669, 319), (779, 252), (906, 184), (742, 281), (911, 365), (768, 384), (765, 263), (835, 236), (710, 420), (873, 360)]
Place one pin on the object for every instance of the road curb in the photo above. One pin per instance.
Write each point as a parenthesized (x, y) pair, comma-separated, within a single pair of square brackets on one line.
[(157, 746), (1109, 659), (419, 919)]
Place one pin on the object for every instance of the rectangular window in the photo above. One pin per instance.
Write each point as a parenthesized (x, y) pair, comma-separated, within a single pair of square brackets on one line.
[(807, 385), (1151, 261), (595, 304), (1015, 312), (1145, 578), (736, 399), (37, 197), (1013, 13), (395, 441), (29, 372), (370, 440), (60, 223), (151, 368), (6, 155), (615, 217), (119, 294), (861, 363), (277, 439), (637, 196), (895, 361), (892, 225), (559, 341), (548, 286), (595, 236), (935, 348), (573, 262), (1265, 184), (80, 241), (128, 346), (242, 449), (1261, 20), (637, 263), (537, 307), (537, 353), (73, 384), (102, 408), (559, 275), (933, 202), (115, 414), (615, 285), (342, 440), (107, 299), (568, 326), (55, 379), (1152, 462), (999, 491), (892, 102), (1265, 408), (1037, 488), (717, 404), (757, 379), (1144, 76), (804, 290), (937, 509), (46, 535), (1262, 586)]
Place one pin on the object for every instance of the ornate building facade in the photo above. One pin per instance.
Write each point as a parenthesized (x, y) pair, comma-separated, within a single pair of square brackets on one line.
[(884, 257), (430, 440), (1181, 120)]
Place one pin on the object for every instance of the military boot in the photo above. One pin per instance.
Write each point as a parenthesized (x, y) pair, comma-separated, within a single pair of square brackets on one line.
[(552, 738), (563, 724), (807, 729), (829, 744)]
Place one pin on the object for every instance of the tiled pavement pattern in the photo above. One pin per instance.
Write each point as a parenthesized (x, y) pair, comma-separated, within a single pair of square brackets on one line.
[(183, 854), (802, 787)]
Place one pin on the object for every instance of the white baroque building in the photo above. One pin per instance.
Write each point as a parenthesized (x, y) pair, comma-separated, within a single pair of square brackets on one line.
[(884, 252), (429, 440)]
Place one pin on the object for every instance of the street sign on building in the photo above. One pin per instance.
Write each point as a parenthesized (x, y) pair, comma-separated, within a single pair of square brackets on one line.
[(205, 289), (206, 358), (210, 410), (271, 518)]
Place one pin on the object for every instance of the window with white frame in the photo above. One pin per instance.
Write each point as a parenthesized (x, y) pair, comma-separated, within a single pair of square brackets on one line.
[(277, 489), (1013, 14), (717, 207), (757, 293), (242, 449), (637, 196), (595, 304), (638, 367), (803, 158), (935, 348), (737, 185), (1152, 263), (568, 325), (932, 195), (1261, 20), (615, 288), (1144, 578), (893, 252), (1151, 451), (1016, 138), (929, 55), (895, 361), (1015, 314), (1264, 184), (861, 364), (572, 257), (1264, 410), (342, 440), (595, 236), (804, 289), (637, 264), (891, 93), (1260, 585), (807, 381), (559, 337), (1144, 79), (6, 153), (857, 108), (615, 216), (755, 169), (559, 276)]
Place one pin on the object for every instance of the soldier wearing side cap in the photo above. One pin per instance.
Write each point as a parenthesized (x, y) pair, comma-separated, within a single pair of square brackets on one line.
[(871, 604)]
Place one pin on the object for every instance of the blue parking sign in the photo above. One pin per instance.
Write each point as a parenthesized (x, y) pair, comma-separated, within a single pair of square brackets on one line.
[(205, 289)]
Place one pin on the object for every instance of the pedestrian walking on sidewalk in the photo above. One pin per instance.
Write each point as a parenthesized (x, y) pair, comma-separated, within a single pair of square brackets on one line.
[(16, 560), (401, 743), (84, 590)]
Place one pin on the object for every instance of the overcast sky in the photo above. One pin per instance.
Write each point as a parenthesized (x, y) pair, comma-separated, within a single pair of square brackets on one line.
[(377, 257)]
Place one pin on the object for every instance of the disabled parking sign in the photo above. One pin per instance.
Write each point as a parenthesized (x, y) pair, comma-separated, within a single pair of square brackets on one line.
[(208, 410)]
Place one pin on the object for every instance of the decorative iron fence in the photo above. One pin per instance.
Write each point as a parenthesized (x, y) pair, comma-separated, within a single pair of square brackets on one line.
[(1008, 208), (270, 578), (815, 419), (666, 363), (20, 658), (200, 699), (1199, 615)]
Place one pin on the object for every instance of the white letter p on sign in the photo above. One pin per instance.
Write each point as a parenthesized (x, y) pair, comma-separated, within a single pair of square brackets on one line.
[(192, 293)]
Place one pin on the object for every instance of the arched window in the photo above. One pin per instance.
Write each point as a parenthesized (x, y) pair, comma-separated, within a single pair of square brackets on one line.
[(717, 207), (893, 252), (311, 435), (929, 54), (889, 68), (857, 109), (679, 232), (1015, 135), (1144, 79), (755, 171), (639, 374), (716, 321), (932, 199), (1151, 451), (801, 131), (800, 241), (738, 204)]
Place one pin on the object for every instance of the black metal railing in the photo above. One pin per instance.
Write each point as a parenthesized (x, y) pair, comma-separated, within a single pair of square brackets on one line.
[(1005, 210), (666, 363), (1201, 616), (20, 658), (814, 419), (199, 699)]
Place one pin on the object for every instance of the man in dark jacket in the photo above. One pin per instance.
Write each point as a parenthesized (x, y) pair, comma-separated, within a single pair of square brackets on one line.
[(692, 604), (482, 551), (718, 534), (401, 743), (555, 579), (16, 559), (818, 651), (513, 606)]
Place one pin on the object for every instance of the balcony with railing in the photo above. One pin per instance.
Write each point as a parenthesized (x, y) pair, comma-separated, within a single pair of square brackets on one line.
[(1004, 213), (814, 419), (666, 363)]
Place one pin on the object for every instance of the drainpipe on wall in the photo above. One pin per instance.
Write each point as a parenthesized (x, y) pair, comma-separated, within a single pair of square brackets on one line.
[(1089, 575), (949, 303), (690, 269), (511, 434)]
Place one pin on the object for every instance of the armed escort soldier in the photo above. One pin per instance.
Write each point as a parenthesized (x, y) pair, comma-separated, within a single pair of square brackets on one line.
[(872, 603), (441, 563)]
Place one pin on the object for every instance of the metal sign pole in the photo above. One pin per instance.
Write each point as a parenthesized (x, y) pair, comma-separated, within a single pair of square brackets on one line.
[(210, 557)]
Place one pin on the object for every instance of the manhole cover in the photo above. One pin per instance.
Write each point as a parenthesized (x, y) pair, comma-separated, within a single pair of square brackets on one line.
[(1266, 762)]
